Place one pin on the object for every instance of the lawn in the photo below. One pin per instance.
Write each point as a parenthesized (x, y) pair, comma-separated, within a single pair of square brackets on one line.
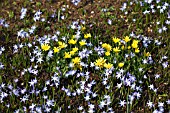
[(85, 56)]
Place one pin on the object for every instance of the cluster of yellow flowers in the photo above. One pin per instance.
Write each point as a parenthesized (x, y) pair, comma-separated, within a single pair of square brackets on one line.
[(108, 47), (135, 46), (61, 46), (72, 52), (46, 47), (101, 62)]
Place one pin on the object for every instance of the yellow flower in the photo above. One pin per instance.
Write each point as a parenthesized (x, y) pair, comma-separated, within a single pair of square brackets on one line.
[(136, 41), (134, 45), (79, 67), (137, 50), (73, 36), (108, 66), (56, 49), (45, 47), (76, 60), (67, 55), (100, 62), (72, 41), (129, 47), (108, 47), (82, 43), (121, 64), (104, 45), (147, 54), (115, 40), (127, 39), (119, 43), (83, 28), (107, 53), (123, 47), (62, 45), (75, 49), (87, 35), (72, 52), (116, 49)]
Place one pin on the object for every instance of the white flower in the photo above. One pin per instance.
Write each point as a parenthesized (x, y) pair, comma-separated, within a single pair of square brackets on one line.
[(122, 103), (32, 106), (168, 101), (80, 108), (119, 85), (155, 111), (165, 64), (104, 82), (160, 104), (39, 60), (91, 106), (151, 87), (150, 104), (50, 103), (102, 104), (144, 61), (90, 111), (109, 21), (157, 76), (79, 91), (118, 75), (87, 97), (140, 69), (94, 95)]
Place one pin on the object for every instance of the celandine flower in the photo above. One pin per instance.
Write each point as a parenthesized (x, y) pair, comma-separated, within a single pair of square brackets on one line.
[(67, 55), (76, 60), (56, 49), (72, 41), (100, 62), (108, 47), (107, 53), (137, 50), (87, 35), (82, 43), (115, 40), (45, 47), (135, 44), (75, 49), (83, 28), (127, 39), (62, 45), (108, 66), (121, 64), (116, 49)]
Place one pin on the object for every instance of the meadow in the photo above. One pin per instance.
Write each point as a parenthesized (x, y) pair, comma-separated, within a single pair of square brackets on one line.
[(85, 56)]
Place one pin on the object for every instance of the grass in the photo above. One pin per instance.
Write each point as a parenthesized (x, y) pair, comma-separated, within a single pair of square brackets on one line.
[(94, 56)]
